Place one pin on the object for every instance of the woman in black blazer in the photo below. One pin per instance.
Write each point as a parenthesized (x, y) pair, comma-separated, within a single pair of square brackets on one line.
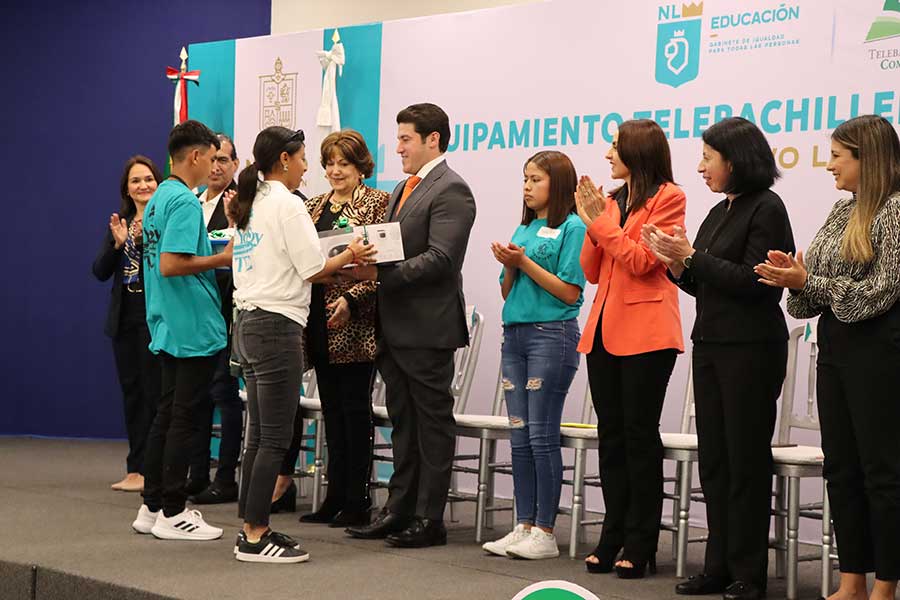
[(121, 257), (740, 352)]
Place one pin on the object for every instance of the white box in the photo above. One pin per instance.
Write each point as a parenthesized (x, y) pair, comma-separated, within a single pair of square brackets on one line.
[(385, 237)]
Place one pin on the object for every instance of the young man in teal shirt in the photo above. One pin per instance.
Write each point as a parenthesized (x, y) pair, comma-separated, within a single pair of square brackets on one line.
[(186, 330)]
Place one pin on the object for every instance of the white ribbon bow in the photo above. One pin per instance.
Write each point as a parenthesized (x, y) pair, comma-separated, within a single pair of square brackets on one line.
[(333, 62)]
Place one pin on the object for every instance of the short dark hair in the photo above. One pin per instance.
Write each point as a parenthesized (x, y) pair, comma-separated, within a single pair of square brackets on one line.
[(223, 137), (563, 181), (427, 118), (644, 149), (352, 146), (128, 208), (190, 134), (742, 144)]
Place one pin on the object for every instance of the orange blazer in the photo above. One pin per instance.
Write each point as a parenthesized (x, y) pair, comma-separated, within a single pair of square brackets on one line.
[(638, 302)]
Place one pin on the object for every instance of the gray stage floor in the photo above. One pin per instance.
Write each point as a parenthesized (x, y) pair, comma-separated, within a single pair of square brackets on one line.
[(58, 513)]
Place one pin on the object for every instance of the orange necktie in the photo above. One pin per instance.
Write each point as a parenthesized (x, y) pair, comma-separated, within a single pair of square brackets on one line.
[(411, 184)]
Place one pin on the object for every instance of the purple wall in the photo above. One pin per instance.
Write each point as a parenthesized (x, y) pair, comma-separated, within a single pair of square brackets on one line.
[(85, 89)]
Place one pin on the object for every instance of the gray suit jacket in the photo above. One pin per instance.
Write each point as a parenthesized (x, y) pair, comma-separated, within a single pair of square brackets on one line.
[(420, 299)]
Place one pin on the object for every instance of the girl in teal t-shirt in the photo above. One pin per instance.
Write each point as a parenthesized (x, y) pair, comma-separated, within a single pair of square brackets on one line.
[(542, 285)]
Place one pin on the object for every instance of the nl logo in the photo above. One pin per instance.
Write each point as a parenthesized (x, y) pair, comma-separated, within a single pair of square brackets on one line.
[(678, 43)]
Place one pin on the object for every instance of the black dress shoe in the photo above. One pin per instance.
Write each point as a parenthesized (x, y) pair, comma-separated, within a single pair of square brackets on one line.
[(420, 534), (325, 514), (697, 585), (386, 524), (218, 492), (350, 518), (742, 590)]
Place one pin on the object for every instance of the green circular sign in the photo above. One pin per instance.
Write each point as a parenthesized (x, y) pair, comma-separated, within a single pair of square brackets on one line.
[(555, 590)]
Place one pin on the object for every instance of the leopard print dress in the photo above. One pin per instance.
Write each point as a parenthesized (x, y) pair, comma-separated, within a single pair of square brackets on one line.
[(355, 341)]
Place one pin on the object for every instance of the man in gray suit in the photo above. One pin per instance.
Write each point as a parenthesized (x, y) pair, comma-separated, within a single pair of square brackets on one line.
[(421, 322)]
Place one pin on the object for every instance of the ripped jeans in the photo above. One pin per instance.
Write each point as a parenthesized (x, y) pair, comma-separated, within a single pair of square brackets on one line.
[(539, 363)]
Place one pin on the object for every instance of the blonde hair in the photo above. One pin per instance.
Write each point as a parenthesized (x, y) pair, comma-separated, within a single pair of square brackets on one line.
[(873, 141)]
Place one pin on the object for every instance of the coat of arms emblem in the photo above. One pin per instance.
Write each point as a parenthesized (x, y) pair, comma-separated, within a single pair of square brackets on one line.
[(278, 98)]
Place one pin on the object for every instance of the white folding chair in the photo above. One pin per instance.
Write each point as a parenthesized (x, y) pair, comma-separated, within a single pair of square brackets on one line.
[(793, 463), (682, 448)]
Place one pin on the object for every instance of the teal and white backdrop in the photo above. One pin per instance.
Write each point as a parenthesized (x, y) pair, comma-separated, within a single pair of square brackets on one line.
[(563, 74)]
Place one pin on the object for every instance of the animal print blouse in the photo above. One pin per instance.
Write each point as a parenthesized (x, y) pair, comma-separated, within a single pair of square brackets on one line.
[(854, 292), (355, 341)]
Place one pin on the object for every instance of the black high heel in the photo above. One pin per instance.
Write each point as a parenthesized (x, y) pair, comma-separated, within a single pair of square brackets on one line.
[(287, 502), (637, 568), (326, 513), (606, 559)]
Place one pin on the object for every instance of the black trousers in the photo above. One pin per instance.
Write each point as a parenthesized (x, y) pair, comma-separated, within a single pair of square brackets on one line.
[(346, 394), (139, 377), (628, 394), (736, 389), (419, 402), (270, 348), (857, 387), (222, 393), (169, 446)]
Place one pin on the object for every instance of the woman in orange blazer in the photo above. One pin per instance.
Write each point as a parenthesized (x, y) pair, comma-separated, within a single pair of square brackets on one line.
[(631, 339)]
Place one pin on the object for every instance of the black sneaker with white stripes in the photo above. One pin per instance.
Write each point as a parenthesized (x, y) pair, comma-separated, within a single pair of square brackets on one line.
[(272, 547), (241, 536)]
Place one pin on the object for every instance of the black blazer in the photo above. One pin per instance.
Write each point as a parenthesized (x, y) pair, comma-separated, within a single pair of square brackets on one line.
[(732, 306), (108, 263), (420, 299), (224, 279)]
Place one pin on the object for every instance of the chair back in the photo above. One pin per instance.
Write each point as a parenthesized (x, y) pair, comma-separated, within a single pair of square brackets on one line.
[(587, 407), (309, 384), (465, 360), (788, 419), (688, 412)]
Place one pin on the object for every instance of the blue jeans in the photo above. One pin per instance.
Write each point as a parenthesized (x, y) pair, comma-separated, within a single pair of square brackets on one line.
[(539, 363)]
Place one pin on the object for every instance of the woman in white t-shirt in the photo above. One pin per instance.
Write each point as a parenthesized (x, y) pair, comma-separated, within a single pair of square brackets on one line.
[(276, 257)]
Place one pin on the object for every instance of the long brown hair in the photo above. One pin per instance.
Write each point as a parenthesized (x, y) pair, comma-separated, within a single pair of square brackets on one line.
[(563, 181), (873, 141), (127, 208), (644, 149)]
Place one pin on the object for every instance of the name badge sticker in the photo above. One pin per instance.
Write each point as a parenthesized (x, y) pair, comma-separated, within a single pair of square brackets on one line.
[(546, 232)]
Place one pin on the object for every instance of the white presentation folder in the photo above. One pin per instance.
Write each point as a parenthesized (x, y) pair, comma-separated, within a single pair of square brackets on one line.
[(384, 236)]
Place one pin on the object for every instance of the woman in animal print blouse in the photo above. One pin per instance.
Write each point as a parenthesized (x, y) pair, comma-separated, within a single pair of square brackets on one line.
[(851, 277)]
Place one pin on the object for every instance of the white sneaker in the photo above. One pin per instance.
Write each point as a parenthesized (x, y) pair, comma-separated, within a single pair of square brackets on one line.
[(539, 544), (145, 520), (499, 547), (186, 525)]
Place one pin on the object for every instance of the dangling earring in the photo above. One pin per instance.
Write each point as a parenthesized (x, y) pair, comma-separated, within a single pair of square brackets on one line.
[(285, 167)]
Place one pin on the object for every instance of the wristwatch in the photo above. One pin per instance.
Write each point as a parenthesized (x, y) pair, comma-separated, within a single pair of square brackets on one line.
[(687, 260)]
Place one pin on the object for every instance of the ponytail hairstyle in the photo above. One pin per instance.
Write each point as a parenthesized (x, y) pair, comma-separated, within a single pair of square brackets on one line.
[(872, 141), (267, 150)]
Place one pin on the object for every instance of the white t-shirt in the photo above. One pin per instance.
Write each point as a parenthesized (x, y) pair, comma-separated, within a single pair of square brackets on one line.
[(275, 255)]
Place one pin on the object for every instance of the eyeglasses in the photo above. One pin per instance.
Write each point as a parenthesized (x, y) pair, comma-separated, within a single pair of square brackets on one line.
[(222, 160)]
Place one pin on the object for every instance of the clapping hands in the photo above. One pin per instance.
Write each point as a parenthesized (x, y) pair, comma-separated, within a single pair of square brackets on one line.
[(589, 200), (510, 255)]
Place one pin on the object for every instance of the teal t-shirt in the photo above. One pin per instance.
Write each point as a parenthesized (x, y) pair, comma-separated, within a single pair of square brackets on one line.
[(183, 313), (556, 251)]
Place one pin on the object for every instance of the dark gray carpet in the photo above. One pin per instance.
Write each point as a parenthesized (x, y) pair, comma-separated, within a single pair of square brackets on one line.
[(58, 513)]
